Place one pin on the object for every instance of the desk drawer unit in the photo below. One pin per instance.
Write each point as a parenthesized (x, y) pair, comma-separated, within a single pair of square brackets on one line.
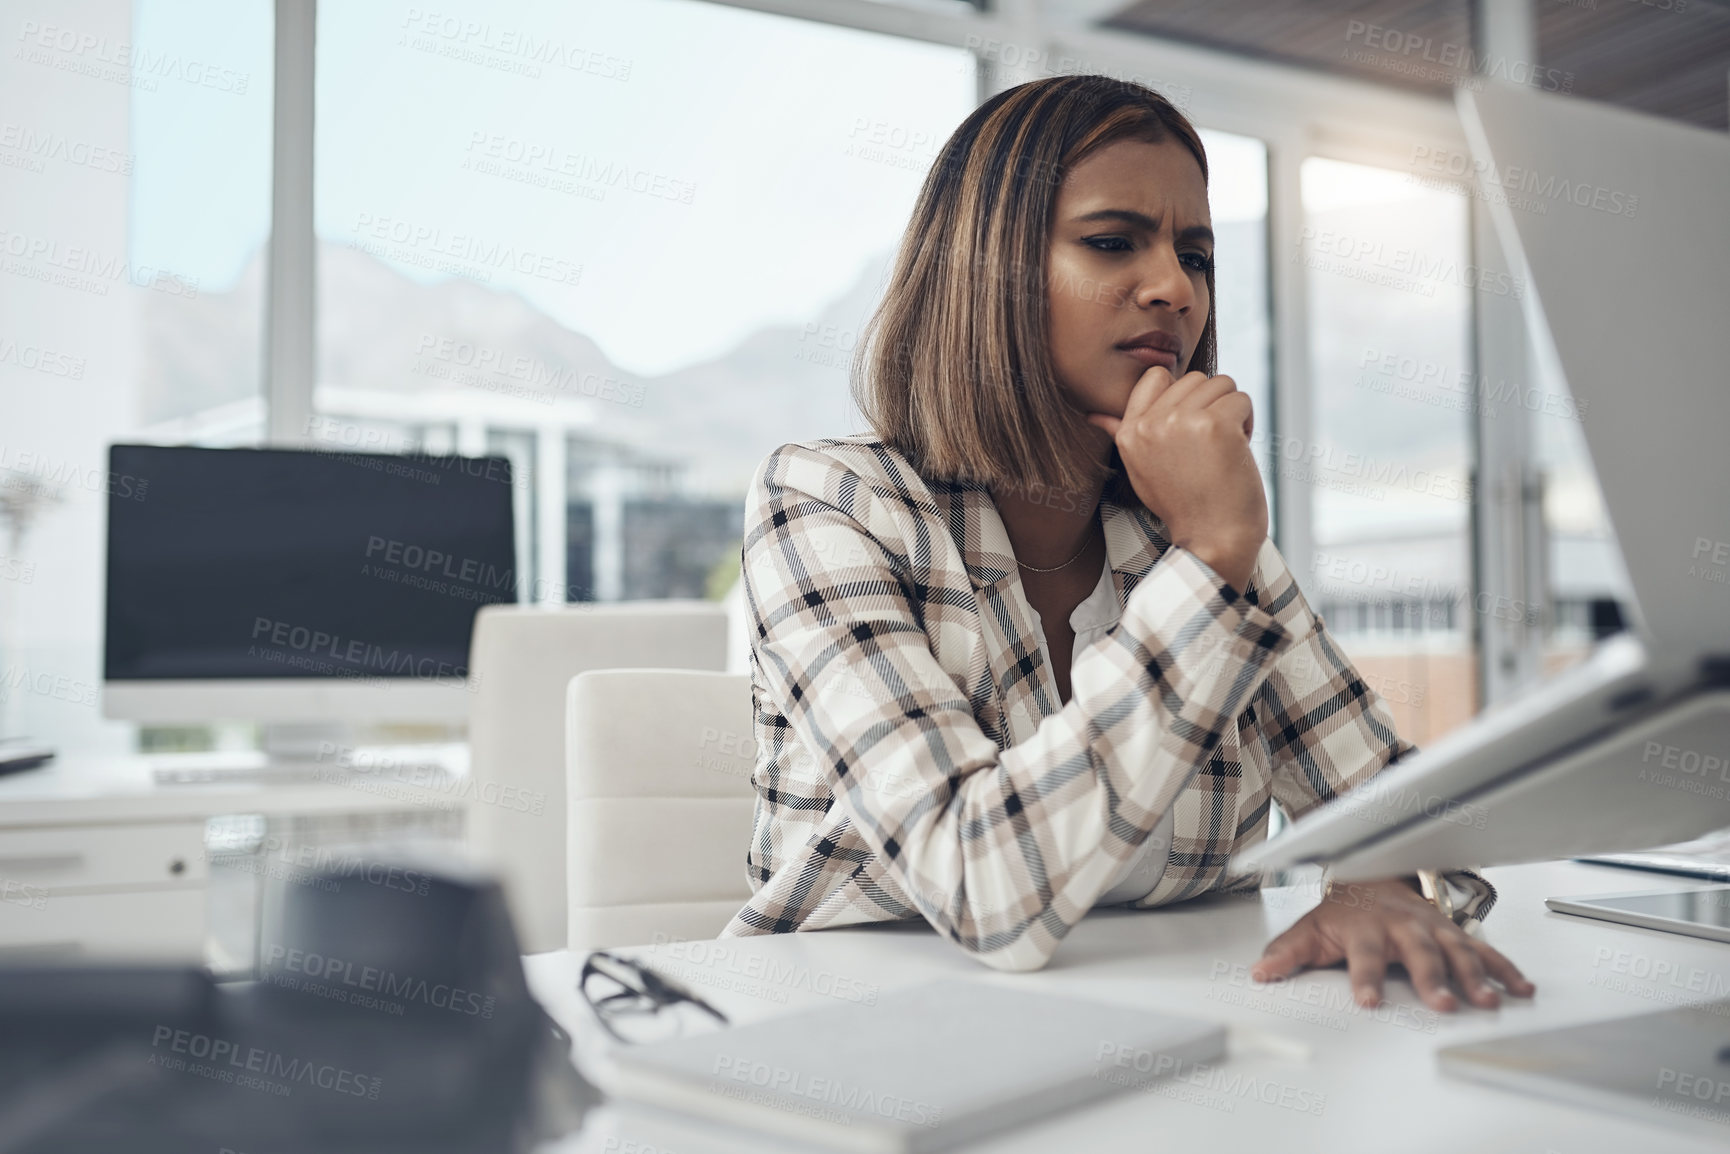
[(132, 890)]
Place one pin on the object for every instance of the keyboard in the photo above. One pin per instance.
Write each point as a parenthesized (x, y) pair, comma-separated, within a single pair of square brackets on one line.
[(268, 772), (424, 766)]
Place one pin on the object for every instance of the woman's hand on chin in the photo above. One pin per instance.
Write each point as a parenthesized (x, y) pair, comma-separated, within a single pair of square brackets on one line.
[(1367, 925)]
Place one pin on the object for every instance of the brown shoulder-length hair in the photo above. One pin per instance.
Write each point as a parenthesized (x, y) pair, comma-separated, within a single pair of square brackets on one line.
[(954, 368)]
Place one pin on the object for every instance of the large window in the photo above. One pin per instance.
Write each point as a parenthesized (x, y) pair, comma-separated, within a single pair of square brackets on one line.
[(134, 204), (631, 244), (1237, 200), (1587, 592), (1387, 469)]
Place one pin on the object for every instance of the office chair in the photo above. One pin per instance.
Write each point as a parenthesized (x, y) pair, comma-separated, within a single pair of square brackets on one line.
[(521, 659), (660, 804)]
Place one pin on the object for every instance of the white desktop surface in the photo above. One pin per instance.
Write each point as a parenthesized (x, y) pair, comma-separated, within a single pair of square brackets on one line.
[(1377, 1070), (95, 790)]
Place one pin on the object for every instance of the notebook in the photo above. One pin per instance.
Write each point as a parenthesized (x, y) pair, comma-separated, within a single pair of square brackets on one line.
[(925, 1068)]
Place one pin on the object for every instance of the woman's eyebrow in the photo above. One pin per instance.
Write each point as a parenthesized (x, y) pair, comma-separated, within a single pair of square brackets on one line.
[(1143, 221)]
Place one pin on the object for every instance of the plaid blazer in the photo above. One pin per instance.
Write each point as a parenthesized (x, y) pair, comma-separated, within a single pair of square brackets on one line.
[(914, 758)]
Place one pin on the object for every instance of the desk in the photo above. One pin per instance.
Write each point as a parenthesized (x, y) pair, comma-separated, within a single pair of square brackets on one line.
[(1373, 1073), (97, 858)]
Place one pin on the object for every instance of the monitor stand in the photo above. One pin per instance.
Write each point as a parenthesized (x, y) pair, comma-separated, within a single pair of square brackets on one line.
[(319, 743)]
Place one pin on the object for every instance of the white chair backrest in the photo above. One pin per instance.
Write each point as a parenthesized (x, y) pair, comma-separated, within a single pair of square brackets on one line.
[(521, 659), (660, 805)]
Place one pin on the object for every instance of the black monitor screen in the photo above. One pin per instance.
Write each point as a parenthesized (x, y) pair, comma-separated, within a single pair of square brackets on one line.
[(280, 563)]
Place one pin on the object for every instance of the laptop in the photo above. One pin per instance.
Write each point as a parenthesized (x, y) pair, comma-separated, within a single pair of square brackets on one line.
[(1630, 749)]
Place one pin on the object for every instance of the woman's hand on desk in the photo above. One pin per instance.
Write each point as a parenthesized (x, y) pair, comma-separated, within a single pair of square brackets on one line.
[(1370, 924)]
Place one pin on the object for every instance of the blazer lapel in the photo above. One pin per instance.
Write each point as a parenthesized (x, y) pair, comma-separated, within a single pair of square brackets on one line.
[(1134, 541)]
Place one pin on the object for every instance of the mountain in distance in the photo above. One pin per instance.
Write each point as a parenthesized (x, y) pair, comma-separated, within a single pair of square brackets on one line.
[(203, 352), (716, 419), (382, 331)]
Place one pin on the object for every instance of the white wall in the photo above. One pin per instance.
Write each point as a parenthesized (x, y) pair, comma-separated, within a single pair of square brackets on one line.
[(61, 217)]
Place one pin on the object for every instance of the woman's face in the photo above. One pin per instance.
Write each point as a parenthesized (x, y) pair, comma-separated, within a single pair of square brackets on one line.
[(1130, 245)]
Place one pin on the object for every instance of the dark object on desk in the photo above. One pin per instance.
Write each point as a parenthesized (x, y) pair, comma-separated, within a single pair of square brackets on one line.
[(18, 754), (392, 1015)]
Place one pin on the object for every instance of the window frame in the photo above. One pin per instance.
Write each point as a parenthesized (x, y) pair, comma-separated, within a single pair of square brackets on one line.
[(1297, 112)]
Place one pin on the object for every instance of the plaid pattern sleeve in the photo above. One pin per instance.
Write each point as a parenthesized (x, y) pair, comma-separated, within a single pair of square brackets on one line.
[(880, 792), (1327, 731)]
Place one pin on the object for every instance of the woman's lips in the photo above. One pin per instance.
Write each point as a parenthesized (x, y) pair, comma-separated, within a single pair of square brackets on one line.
[(1149, 356)]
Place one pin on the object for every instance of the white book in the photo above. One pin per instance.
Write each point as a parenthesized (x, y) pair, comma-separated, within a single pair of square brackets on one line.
[(925, 1068)]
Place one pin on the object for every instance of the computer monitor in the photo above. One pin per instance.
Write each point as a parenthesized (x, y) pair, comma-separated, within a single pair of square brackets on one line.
[(1590, 761), (285, 586)]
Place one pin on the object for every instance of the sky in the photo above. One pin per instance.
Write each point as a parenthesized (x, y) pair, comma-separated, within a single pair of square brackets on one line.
[(775, 159), (197, 209)]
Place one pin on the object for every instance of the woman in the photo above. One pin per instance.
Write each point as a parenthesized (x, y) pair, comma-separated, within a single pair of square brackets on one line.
[(1026, 649)]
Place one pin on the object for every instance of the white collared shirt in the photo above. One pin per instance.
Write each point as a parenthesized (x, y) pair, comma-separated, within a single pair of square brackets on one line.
[(1092, 619)]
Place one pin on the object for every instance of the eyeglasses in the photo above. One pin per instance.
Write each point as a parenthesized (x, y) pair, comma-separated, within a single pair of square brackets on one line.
[(637, 1005)]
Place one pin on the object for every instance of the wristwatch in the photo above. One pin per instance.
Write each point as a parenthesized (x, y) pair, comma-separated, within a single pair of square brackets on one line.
[(1461, 895), (1435, 889)]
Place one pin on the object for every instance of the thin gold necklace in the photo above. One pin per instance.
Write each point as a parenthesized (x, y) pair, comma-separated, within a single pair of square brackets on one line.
[(1085, 544)]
